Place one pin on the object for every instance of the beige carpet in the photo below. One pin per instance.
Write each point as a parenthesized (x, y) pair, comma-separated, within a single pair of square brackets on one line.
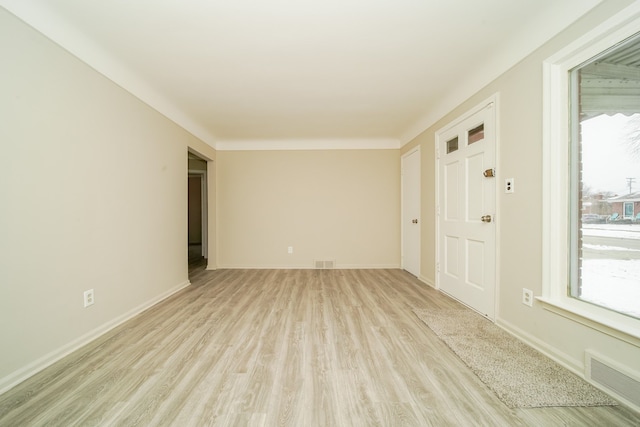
[(519, 375)]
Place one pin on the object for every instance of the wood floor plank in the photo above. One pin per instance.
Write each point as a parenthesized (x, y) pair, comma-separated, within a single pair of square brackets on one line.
[(278, 348)]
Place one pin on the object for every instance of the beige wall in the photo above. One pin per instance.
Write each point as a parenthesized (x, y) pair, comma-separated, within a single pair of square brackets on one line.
[(520, 214), (93, 189), (329, 205)]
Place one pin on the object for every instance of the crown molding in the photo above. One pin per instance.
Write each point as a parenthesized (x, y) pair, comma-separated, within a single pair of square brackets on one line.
[(308, 144)]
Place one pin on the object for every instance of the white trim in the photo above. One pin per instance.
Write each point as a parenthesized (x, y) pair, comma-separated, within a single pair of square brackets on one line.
[(309, 144), (427, 281), (195, 152), (436, 193), (310, 266), (555, 207), (49, 359), (600, 319), (212, 223), (498, 200), (574, 365), (402, 207), (368, 267)]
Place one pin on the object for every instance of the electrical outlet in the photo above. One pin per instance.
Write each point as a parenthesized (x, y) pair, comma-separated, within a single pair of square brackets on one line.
[(290, 250), (509, 185), (88, 298), (527, 297)]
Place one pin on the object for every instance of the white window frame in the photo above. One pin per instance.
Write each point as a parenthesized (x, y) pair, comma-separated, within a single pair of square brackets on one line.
[(556, 179)]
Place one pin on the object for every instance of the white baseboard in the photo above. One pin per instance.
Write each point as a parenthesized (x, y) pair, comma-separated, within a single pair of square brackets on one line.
[(49, 359), (311, 267), (427, 281), (261, 267), (574, 365), (367, 266)]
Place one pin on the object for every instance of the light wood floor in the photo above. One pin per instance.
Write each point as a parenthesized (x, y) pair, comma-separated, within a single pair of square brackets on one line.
[(278, 347)]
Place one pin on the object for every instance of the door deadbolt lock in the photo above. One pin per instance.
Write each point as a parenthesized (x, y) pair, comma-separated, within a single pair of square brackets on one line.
[(489, 173), (486, 218)]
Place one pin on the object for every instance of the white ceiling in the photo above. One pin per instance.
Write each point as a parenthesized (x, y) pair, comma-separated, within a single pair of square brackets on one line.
[(301, 73)]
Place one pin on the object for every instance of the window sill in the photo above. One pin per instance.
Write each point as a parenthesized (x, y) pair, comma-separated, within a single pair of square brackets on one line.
[(593, 318)]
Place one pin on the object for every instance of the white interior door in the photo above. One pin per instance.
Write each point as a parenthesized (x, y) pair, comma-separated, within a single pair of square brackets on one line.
[(411, 212), (466, 210)]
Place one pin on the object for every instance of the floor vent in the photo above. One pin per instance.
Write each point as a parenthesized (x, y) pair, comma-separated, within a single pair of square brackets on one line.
[(325, 265), (621, 382)]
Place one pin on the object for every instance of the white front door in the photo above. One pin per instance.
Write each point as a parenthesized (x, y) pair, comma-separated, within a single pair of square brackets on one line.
[(411, 212), (466, 210)]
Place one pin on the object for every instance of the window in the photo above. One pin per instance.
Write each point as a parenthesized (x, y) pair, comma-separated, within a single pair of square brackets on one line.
[(591, 163), (628, 210), (605, 159)]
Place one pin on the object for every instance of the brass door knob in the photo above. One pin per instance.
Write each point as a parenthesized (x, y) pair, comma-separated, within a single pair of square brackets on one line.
[(486, 218)]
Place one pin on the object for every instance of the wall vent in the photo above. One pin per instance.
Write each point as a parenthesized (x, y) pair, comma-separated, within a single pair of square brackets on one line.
[(619, 381), (325, 265)]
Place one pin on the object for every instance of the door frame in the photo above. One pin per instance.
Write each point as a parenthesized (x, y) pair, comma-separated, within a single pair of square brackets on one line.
[(207, 203), (403, 208), (493, 102)]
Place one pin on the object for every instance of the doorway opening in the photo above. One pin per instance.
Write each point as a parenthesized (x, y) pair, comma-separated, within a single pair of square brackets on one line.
[(197, 212)]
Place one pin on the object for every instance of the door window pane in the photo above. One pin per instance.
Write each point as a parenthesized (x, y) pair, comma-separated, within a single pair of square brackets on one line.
[(476, 134), (605, 176), (452, 145)]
